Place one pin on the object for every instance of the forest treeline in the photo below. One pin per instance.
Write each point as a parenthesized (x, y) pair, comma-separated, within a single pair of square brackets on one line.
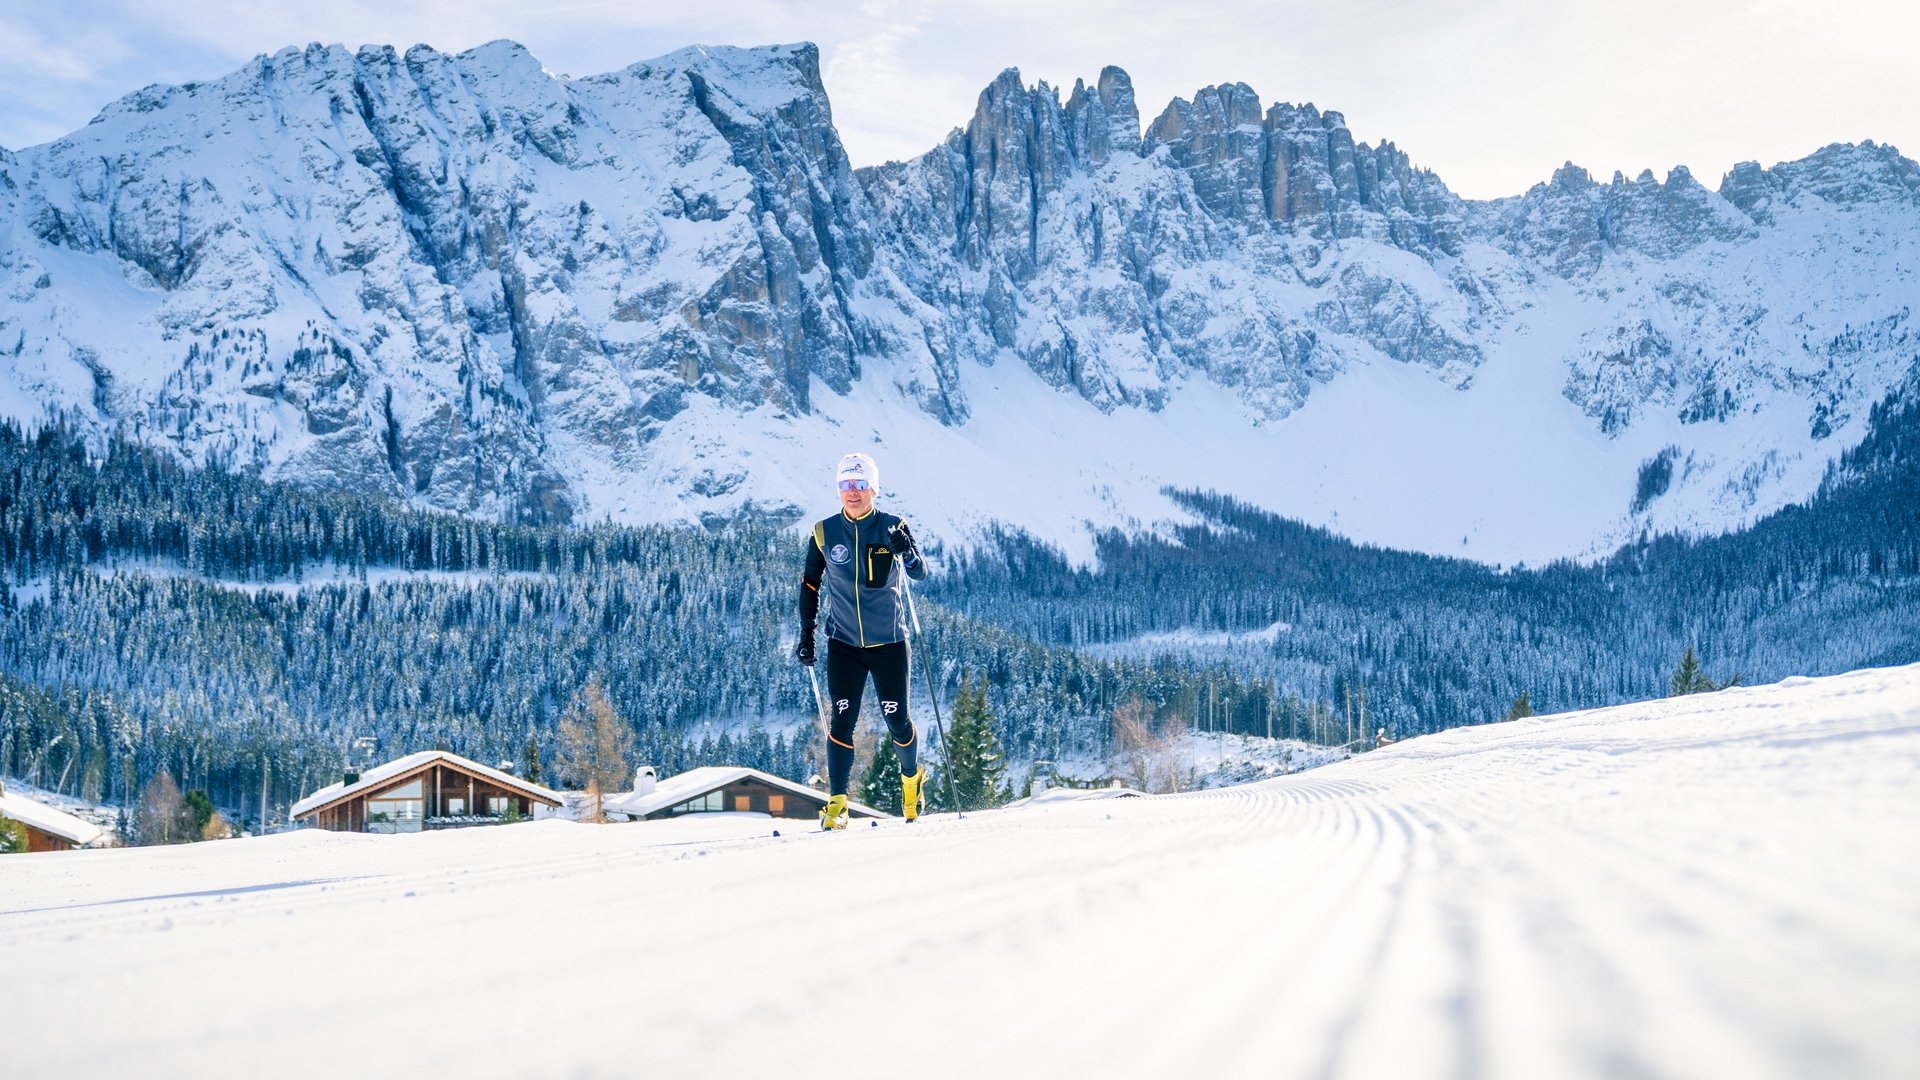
[(238, 634)]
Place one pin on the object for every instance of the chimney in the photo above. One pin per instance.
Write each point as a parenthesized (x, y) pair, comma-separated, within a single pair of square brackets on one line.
[(645, 779), (506, 767), (352, 777)]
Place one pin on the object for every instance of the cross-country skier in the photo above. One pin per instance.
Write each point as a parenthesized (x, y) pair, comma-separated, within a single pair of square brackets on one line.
[(856, 558)]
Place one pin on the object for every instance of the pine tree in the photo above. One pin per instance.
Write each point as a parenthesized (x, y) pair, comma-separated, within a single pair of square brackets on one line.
[(1522, 707), (1688, 678), (973, 752), (880, 784), (530, 759), (13, 837), (201, 807)]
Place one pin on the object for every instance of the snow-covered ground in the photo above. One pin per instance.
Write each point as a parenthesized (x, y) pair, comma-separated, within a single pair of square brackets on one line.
[(1715, 886)]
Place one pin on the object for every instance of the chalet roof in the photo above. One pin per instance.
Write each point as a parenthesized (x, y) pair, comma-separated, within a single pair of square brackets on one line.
[(1067, 794), (381, 775), (697, 782), (39, 815)]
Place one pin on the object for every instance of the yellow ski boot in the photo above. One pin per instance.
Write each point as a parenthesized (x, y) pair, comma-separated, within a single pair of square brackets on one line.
[(912, 798), (834, 814)]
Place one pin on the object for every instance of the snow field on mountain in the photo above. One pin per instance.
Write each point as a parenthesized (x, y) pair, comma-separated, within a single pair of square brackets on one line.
[(1505, 470), (1714, 886), (662, 293)]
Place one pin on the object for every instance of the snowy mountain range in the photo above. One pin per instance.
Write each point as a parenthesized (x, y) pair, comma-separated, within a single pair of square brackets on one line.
[(665, 293)]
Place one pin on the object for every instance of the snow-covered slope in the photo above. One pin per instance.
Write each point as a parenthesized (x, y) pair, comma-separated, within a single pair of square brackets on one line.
[(663, 293), (1712, 886)]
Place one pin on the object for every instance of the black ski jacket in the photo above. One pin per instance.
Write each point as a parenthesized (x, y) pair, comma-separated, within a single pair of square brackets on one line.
[(855, 563)]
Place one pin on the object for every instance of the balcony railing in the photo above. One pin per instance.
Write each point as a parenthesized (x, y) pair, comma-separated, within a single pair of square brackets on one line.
[(466, 821)]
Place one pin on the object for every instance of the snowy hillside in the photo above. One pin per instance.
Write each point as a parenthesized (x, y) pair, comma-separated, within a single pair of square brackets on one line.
[(663, 293), (1713, 886)]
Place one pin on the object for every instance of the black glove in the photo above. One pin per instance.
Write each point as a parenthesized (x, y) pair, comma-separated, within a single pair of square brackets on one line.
[(803, 652), (901, 541)]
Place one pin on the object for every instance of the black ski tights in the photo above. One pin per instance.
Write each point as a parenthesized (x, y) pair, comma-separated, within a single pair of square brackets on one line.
[(847, 669)]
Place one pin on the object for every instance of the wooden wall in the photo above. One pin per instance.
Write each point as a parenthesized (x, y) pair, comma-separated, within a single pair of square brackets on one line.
[(45, 841), (757, 796)]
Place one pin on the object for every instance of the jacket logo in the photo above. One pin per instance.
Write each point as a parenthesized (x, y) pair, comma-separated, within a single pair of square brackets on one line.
[(839, 553)]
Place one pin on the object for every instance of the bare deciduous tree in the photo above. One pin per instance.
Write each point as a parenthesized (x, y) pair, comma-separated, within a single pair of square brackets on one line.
[(1149, 752), (596, 746), (163, 816), (217, 827)]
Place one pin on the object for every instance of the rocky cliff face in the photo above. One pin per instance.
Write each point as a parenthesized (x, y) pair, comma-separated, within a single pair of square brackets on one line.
[(465, 281), (442, 275)]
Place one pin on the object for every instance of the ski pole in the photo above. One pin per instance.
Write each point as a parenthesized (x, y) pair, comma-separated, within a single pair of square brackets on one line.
[(820, 705), (946, 748)]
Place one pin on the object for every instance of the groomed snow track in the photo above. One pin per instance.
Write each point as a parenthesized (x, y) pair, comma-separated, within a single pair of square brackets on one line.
[(1726, 885)]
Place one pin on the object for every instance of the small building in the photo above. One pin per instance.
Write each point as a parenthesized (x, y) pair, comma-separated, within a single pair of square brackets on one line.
[(433, 789), (1052, 795), (723, 789), (47, 829)]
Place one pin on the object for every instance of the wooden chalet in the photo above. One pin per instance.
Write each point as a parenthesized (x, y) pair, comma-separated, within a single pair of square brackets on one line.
[(47, 829), (433, 789), (722, 789)]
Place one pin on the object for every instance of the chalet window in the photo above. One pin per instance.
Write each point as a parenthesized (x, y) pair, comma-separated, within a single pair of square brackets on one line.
[(776, 804), (456, 806), (412, 790), (497, 805), (743, 803), (705, 804), (400, 809)]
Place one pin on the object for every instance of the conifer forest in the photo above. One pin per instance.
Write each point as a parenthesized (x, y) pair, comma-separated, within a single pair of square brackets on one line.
[(239, 634)]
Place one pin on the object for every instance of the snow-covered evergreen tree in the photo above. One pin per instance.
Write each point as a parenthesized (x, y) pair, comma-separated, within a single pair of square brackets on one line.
[(976, 764), (880, 785)]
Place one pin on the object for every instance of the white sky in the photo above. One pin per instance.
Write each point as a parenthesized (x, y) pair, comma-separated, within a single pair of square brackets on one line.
[(1491, 94)]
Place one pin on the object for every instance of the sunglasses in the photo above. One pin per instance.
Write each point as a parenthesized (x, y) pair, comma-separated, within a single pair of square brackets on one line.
[(854, 485)]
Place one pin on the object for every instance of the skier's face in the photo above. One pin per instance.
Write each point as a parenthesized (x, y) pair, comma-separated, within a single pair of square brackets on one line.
[(856, 501)]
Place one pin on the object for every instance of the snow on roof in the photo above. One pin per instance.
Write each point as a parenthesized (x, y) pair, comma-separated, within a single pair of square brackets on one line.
[(1067, 794), (45, 818), (380, 774), (697, 782)]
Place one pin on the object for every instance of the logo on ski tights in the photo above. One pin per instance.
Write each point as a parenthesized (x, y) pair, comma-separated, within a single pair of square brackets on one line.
[(840, 706), (889, 707)]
